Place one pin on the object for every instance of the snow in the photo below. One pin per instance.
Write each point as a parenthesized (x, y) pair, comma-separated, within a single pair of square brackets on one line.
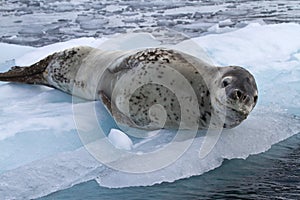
[(13, 51), (93, 24), (191, 9), (119, 139), (258, 47), (41, 149), (226, 22), (38, 53)]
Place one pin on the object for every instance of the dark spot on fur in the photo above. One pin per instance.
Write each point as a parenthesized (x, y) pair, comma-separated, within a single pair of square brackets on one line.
[(207, 93), (203, 117), (167, 60)]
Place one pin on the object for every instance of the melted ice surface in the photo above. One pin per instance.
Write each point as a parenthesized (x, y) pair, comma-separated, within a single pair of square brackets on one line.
[(40, 148)]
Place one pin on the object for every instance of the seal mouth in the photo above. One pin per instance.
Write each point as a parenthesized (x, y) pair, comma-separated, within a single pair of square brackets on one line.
[(238, 113), (234, 117)]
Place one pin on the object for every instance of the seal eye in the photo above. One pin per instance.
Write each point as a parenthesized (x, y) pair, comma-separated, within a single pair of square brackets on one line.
[(226, 81)]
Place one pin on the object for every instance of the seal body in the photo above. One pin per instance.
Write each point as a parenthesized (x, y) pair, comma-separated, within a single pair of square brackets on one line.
[(148, 88)]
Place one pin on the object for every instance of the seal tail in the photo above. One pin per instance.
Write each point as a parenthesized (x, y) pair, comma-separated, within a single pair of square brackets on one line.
[(28, 75), (34, 74)]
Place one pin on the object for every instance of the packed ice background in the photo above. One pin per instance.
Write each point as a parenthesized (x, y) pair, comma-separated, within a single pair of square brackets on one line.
[(39, 145), (41, 22)]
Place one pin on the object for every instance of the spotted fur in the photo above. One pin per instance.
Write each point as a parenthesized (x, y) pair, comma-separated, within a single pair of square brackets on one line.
[(94, 74)]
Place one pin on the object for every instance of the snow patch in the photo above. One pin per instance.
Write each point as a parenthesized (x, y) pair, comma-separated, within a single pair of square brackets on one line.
[(119, 139)]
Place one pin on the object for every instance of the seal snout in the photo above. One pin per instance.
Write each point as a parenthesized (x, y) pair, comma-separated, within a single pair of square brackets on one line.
[(239, 95), (240, 100)]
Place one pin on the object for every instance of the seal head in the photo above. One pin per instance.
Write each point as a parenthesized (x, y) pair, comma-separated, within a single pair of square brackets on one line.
[(237, 95)]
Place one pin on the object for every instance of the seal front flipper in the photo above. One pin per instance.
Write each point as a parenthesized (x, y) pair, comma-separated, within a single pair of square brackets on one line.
[(118, 116), (121, 119)]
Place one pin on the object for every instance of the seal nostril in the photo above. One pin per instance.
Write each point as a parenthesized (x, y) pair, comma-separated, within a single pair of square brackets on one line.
[(235, 94), (239, 94), (246, 99)]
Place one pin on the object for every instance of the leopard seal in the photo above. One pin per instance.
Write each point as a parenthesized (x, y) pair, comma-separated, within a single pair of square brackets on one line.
[(93, 74)]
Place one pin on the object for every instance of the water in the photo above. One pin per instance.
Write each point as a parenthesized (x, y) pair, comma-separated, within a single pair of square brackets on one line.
[(38, 136), (43, 22), (273, 174)]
